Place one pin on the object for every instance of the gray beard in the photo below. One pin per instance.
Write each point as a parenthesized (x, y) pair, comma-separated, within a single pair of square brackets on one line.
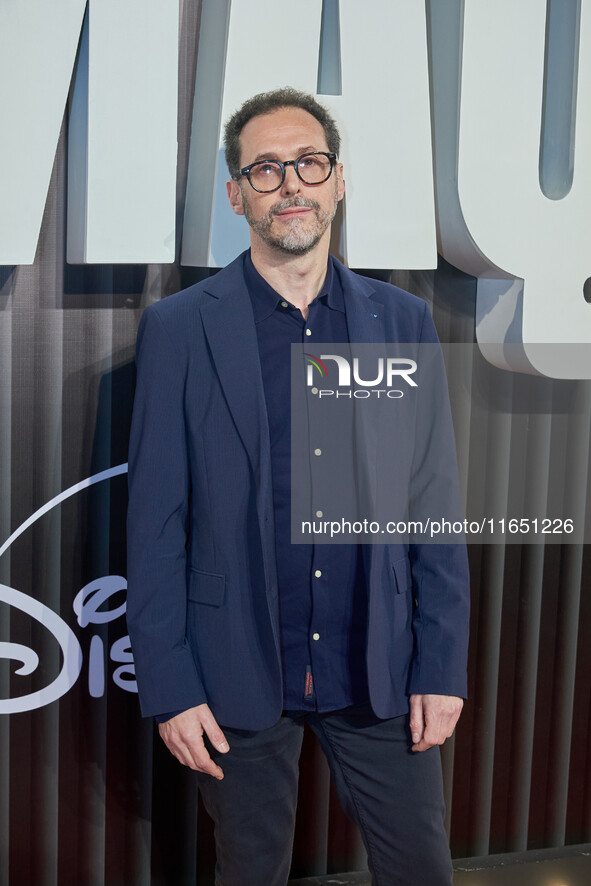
[(294, 241)]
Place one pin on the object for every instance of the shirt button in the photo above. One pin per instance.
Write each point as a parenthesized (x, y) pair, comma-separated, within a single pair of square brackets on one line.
[(318, 452), (316, 636), (318, 573), (308, 332), (314, 390), (284, 304), (319, 513)]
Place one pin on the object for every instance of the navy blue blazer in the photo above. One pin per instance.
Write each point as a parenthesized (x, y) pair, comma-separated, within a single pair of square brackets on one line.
[(202, 604)]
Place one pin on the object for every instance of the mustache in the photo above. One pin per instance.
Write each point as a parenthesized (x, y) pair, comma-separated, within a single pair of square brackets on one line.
[(295, 201)]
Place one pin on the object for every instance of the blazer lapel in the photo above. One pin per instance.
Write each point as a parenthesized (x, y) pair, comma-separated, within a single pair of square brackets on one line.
[(366, 325), (365, 315), (229, 326)]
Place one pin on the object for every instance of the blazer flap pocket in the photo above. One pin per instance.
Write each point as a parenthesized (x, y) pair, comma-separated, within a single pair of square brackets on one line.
[(401, 569), (206, 587)]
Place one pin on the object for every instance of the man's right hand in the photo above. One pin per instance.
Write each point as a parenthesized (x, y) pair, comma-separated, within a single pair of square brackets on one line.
[(183, 736)]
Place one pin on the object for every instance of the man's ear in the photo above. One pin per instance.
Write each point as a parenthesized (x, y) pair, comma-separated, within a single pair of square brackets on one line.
[(235, 196), (340, 181)]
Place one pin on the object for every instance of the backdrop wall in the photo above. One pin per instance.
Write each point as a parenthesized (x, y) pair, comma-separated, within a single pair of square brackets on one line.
[(87, 793)]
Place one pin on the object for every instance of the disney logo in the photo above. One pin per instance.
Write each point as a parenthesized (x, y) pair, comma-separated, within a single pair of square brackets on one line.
[(88, 606)]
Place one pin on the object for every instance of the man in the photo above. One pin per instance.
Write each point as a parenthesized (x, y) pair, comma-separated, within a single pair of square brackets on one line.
[(239, 636)]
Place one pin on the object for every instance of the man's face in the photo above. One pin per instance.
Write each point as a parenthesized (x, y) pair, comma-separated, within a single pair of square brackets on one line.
[(294, 218)]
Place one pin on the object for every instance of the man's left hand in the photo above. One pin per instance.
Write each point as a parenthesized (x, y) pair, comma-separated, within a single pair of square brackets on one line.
[(433, 718)]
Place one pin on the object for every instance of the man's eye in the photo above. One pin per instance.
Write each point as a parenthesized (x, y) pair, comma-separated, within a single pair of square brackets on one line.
[(267, 169)]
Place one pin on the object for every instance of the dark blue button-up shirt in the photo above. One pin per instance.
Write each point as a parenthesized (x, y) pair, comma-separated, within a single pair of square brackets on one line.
[(322, 589)]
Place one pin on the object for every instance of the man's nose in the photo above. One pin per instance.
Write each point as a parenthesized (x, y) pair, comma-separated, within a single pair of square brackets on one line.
[(291, 182)]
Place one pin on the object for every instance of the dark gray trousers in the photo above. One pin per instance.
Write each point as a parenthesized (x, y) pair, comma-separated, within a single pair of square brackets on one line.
[(395, 797)]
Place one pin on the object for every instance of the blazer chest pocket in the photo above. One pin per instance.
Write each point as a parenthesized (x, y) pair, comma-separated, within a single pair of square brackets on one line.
[(206, 587), (402, 576)]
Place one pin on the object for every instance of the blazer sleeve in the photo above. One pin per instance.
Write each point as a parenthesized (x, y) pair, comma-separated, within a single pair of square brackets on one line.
[(157, 526), (440, 574)]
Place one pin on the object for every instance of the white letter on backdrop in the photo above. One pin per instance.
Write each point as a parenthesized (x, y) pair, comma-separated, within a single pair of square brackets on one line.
[(383, 112), (122, 133), (38, 42), (530, 251), (122, 136)]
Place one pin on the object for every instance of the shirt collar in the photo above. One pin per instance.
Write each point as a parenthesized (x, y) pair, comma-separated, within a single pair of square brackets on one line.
[(265, 299)]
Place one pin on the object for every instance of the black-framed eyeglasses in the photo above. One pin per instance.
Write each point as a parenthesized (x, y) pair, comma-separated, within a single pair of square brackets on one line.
[(268, 175)]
